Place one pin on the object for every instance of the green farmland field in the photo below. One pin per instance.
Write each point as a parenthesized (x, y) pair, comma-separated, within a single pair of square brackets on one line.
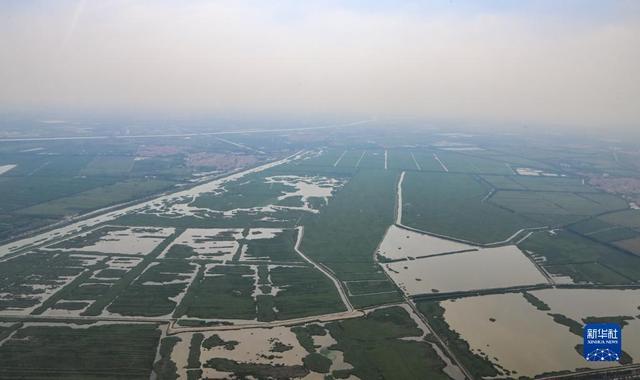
[(555, 208), (113, 351), (462, 163), (375, 347), (582, 259), (452, 205), (346, 233)]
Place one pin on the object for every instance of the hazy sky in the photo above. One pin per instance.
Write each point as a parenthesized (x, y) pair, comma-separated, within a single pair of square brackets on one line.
[(556, 62)]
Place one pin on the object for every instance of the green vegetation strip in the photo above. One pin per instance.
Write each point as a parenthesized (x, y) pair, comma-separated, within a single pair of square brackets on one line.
[(535, 301), (193, 361), (166, 368), (243, 370)]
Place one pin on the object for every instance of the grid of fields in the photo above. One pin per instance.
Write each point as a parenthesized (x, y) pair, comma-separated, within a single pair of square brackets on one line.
[(124, 351), (583, 260), (252, 274), (305, 265), (452, 205)]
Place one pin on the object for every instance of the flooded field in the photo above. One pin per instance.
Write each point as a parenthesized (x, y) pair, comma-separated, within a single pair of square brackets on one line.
[(631, 339), (233, 244), (582, 303), (207, 243), (116, 265), (323, 344), (501, 267), (32, 292), (579, 304), (276, 347), (48, 273), (257, 196), (66, 308), (513, 334), (400, 244), (393, 340), (534, 172), (117, 240), (307, 187), (263, 233)]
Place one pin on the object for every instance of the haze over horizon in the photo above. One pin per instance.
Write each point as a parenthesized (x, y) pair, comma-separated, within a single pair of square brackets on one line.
[(572, 63)]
